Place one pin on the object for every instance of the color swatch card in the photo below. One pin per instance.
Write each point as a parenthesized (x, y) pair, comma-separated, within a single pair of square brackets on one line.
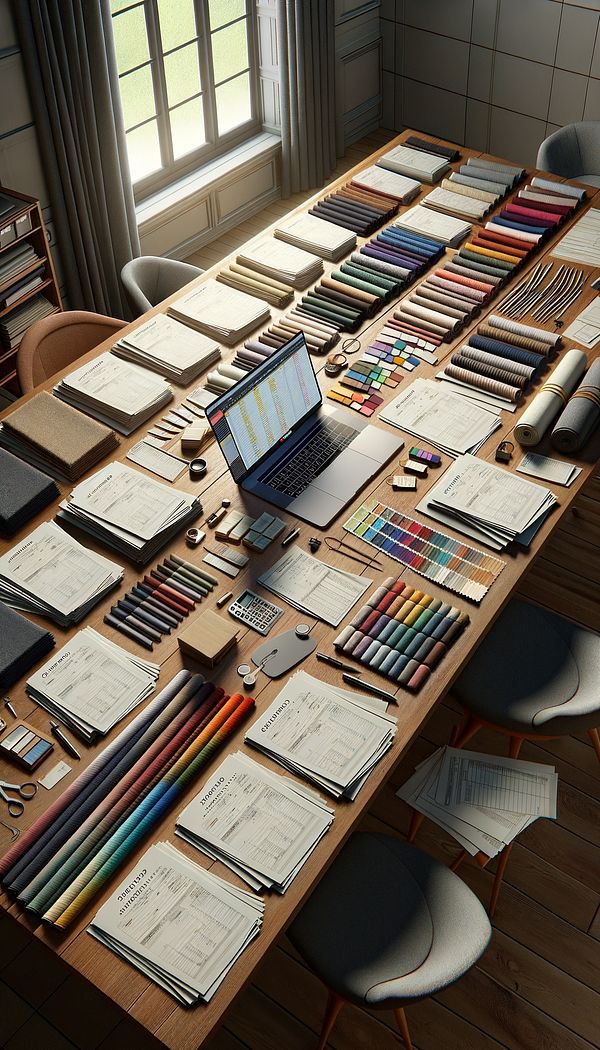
[(402, 633), (429, 552)]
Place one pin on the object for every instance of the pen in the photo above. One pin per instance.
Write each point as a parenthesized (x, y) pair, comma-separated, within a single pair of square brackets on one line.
[(147, 595), (369, 687), (290, 536), (66, 743), (124, 628), (137, 625), (335, 663), (8, 704), (140, 614)]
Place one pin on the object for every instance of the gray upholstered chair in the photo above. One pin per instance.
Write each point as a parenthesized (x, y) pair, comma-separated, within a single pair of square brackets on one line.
[(573, 152), (387, 925), (150, 279), (535, 675)]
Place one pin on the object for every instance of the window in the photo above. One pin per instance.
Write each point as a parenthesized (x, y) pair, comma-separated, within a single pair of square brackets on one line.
[(187, 77)]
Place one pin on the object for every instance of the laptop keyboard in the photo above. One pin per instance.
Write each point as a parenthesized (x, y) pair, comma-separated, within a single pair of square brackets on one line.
[(324, 444)]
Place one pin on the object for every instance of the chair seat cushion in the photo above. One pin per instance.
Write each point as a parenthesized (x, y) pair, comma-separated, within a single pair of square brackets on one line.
[(591, 180)]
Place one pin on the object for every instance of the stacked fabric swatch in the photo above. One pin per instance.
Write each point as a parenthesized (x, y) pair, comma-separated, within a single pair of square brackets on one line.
[(345, 299), (278, 259), (397, 254), (402, 633), (320, 337), (437, 148), (77, 845), (22, 644), (25, 491), (316, 235), (416, 163), (246, 278), (380, 179), (357, 208)]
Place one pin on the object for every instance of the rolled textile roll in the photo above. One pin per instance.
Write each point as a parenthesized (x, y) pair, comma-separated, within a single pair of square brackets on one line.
[(492, 386), (499, 375), (511, 353), (436, 317), (496, 361), (487, 331), (538, 416), (529, 331), (581, 416)]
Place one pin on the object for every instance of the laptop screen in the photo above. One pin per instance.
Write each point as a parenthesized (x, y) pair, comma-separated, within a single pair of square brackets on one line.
[(263, 408)]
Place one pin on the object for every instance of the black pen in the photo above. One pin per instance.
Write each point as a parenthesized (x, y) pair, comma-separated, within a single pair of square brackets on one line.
[(124, 628), (66, 743), (290, 536), (335, 663), (370, 688)]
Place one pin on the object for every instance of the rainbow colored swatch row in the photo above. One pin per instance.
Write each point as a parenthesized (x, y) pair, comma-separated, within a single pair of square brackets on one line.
[(429, 552), (402, 633)]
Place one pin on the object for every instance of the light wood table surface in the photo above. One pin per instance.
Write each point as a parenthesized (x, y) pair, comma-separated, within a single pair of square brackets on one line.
[(175, 1026)]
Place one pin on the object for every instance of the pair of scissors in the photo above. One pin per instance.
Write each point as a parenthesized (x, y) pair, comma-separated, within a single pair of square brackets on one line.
[(26, 791)]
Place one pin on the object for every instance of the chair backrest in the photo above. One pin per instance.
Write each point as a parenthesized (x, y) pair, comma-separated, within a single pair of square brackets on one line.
[(572, 151), (150, 279), (56, 341)]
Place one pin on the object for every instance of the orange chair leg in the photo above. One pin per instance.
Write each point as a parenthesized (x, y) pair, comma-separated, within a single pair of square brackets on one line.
[(400, 1016), (502, 862), (456, 863), (594, 736), (415, 823), (516, 742), (334, 1005), (468, 729)]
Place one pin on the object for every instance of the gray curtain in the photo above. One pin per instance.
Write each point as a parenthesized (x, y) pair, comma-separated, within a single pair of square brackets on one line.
[(72, 77), (306, 51)]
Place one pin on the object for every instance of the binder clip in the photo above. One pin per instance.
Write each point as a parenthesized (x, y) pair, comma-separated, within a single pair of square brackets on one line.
[(504, 452)]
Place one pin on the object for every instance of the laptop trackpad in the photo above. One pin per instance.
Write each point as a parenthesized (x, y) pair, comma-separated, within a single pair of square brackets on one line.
[(346, 475)]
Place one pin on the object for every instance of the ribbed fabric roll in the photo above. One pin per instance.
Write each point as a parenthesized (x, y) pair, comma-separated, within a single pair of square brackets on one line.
[(500, 375), (530, 332), (440, 297), (511, 393), (442, 320), (506, 363), (469, 191), (420, 298), (450, 286), (538, 416), (465, 269), (519, 235), (512, 353), (582, 414), (536, 346)]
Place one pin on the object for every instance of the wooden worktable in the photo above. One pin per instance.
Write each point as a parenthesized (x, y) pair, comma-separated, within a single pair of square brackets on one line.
[(152, 1007)]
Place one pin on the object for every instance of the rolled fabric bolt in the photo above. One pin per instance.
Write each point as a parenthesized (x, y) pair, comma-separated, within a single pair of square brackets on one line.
[(370, 652), (427, 646), (437, 651), (418, 678), (434, 622), (581, 415), (387, 631), (395, 639), (388, 662), (409, 670), (355, 640), (385, 603), (377, 595), (361, 615), (380, 656), (528, 331), (370, 621), (403, 643), (423, 619), (344, 636), (397, 604), (539, 414), (455, 628), (415, 644), (362, 647), (399, 666)]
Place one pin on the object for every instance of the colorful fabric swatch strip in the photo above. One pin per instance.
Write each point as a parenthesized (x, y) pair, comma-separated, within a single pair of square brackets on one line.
[(402, 633), (448, 562)]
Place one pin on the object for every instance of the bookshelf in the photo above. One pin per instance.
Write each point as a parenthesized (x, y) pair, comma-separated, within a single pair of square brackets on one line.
[(26, 275)]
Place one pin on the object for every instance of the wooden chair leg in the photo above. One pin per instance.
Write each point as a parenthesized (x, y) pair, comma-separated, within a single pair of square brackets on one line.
[(334, 1005), (468, 729), (415, 823), (502, 862), (594, 736), (456, 863), (516, 742), (400, 1016)]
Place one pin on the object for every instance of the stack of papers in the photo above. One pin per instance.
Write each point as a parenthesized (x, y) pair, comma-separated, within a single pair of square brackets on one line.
[(261, 825), (447, 420), (429, 223), (180, 925), (120, 395), (580, 242), (277, 258), (217, 310), (489, 503), (17, 259), (483, 801), (55, 438), (50, 573), (426, 167), (548, 469), (172, 349), (14, 326), (313, 586), (316, 235), (447, 200), (330, 736), (129, 511), (92, 683), (389, 182), (585, 329)]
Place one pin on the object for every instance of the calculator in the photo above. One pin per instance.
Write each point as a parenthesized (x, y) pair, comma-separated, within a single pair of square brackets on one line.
[(255, 611)]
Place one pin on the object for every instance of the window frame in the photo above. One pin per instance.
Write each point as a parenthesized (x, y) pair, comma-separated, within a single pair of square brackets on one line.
[(216, 145)]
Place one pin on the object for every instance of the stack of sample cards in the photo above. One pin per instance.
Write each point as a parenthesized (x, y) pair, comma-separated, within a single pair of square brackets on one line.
[(216, 310), (331, 737), (51, 574), (537, 210), (489, 503), (21, 287), (55, 438), (180, 925), (172, 349), (389, 181), (452, 203), (119, 394), (442, 417), (580, 244), (15, 324), (316, 235), (356, 207), (320, 336), (261, 825), (402, 633), (417, 164), (15, 260), (429, 552), (483, 801), (254, 282), (380, 367), (91, 684), (444, 228), (129, 511), (278, 259)]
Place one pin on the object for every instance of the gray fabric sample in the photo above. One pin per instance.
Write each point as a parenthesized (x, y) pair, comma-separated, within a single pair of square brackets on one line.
[(581, 414)]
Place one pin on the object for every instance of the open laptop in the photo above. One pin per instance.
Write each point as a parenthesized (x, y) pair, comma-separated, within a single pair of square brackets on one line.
[(282, 443)]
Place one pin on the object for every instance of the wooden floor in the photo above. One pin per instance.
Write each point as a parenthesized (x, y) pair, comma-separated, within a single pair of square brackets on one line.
[(537, 987)]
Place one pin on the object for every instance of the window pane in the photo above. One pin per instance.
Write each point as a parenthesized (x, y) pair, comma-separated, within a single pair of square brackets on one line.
[(233, 103), (182, 72), (131, 39), (187, 127), (143, 149), (118, 5), (230, 51), (137, 96), (177, 22), (223, 11)]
